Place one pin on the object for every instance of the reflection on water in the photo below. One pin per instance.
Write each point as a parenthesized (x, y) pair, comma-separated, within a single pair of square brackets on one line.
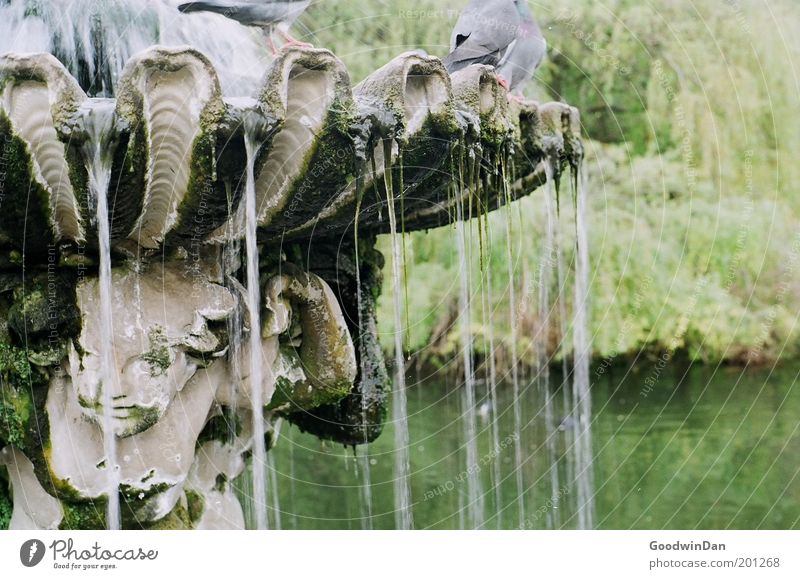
[(674, 448)]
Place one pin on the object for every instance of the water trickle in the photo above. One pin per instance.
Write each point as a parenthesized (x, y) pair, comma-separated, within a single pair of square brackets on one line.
[(402, 472), (98, 152), (272, 494), (290, 445), (364, 467), (474, 492), (253, 137), (488, 323), (515, 378), (546, 271), (565, 351), (584, 475)]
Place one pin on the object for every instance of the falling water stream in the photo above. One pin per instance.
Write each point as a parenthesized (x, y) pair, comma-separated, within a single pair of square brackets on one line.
[(488, 306), (402, 487), (362, 458), (546, 271), (252, 134), (515, 378), (584, 474), (98, 151), (566, 397), (472, 469)]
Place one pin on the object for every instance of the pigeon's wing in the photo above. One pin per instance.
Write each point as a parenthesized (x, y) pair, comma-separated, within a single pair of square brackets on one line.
[(483, 34), (525, 57)]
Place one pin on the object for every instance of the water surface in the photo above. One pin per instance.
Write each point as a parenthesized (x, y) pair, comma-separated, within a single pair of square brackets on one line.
[(674, 447)]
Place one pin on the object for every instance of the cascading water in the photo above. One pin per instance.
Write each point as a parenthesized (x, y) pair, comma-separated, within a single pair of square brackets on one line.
[(402, 474), (546, 271), (363, 466), (272, 496), (98, 151), (474, 493), (515, 378), (252, 138), (488, 305), (566, 397), (584, 460)]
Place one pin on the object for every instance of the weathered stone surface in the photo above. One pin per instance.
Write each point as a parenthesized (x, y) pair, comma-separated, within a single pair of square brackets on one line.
[(177, 176), (327, 160)]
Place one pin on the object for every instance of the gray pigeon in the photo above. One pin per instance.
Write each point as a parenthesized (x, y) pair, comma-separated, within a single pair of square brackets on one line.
[(524, 57), (483, 33), (500, 33), (271, 15)]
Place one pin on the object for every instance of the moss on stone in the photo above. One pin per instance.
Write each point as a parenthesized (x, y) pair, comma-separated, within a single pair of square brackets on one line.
[(17, 380), (45, 315), (79, 179), (137, 506), (26, 216), (222, 427), (204, 207), (84, 515), (195, 505), (283, 395), (144, 417), (221, 483), (6, 503), (178, 519), (359, 416), (127, 184), (158, 356), (328, 169)]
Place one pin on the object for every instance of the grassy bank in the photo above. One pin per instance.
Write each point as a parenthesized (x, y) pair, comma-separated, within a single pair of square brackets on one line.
[(690, 111)]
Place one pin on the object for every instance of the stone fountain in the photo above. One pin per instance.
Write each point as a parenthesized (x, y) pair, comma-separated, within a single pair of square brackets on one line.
[(149, 385)]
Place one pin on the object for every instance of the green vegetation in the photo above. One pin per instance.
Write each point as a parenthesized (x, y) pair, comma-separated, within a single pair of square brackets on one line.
[(6, 504), (690, 114)]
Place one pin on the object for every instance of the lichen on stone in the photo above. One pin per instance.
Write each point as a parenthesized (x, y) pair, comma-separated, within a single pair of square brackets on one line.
[(159, 356)]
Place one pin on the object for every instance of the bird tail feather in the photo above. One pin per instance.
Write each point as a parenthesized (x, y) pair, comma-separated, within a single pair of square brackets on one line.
[(202, 7)]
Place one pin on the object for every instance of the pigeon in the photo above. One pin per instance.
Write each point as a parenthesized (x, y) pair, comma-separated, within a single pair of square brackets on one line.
[(271, 15), (499, 33), (483, 33), (525, 55)]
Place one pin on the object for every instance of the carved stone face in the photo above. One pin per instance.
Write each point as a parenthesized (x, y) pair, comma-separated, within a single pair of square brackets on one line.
[(163, 330), (306, 349)]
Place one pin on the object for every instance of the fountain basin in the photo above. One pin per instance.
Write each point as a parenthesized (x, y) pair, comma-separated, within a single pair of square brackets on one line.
[(332, 157)]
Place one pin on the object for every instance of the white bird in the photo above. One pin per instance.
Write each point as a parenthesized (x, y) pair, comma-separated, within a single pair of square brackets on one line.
[(271, 15)]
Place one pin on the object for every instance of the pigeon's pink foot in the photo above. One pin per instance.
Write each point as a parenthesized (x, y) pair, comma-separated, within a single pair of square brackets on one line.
[(504, 83), (291, 41), (517, 98), (271, 46)]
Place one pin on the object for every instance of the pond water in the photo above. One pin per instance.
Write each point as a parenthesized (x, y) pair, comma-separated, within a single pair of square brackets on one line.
[(688, 447)]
